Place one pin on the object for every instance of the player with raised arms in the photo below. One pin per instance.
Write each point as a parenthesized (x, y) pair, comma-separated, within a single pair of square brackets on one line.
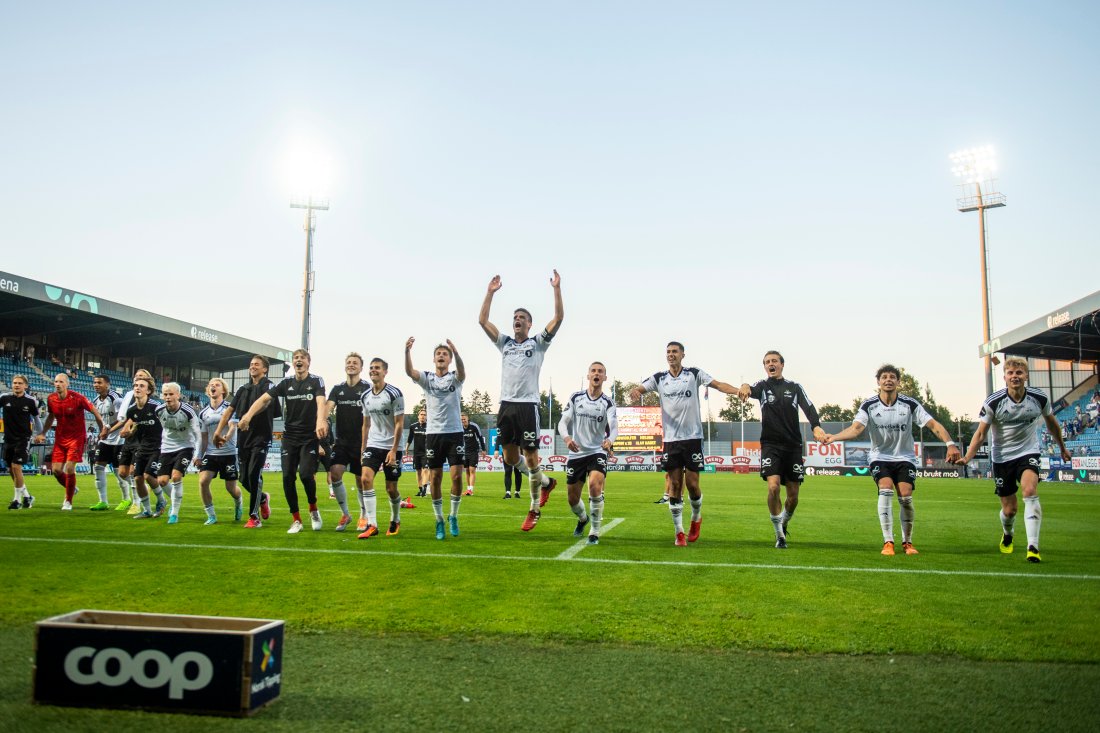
[(889, 417), (521, 362), (1010, 416), (589, 427), (443, 400), (682, 422)]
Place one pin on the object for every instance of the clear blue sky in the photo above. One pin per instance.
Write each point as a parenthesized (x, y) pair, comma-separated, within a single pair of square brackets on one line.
[(736, 176)]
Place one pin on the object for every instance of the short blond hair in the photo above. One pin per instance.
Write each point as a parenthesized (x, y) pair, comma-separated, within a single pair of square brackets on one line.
[(1015, 361), (222, 382), (354, 355)]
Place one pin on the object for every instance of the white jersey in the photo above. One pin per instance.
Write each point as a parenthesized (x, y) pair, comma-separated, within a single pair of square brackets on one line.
[(680, 402), (521, 362), (443, 396), (209, 418), (181, 428), (382, 410), (1014, 432), (109, 407), (589, 422), (890, 427)]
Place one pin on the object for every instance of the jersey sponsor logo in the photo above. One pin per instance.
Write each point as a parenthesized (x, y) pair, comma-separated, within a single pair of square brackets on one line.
[(168, 671), (683, 394)]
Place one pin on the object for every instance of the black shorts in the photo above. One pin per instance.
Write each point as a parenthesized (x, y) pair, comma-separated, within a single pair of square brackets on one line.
[(1006, 476), (224, 467), (324, 456), (126, 453), (577, 469), (782, 461), (450, 447), (518, 424), (17, 450), (685, 454), (419, 461), (472, 456), (900, 472), (375, 460), (175, 461), (107, 454), (347, 455), (145, 461)]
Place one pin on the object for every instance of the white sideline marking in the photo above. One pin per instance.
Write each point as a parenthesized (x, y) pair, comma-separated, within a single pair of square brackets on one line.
[(556, 558), (570, 553)]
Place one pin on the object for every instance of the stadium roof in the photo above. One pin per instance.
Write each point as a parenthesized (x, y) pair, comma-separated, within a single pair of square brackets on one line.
[(1070, 333), (29, 307)]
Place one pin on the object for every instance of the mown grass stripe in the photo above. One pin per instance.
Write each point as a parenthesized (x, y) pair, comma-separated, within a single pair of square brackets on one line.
[(582, 543), (558, 558)]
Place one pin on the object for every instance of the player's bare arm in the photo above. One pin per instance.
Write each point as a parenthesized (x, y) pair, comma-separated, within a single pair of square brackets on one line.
[(460, 368), (41, 437), (1056, 430), (221, 437), (257, 407), (409, 370), (483, 318), (953, 453), (398, 431), (724, 388), (559, 309), (745, 391), (852, 431), (637, 392), (975, 443), (322, 418)]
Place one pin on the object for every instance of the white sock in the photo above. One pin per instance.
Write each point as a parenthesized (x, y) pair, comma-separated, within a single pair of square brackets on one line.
[(341, 495), (696, 508), (209, 510), (1007, 523), (177, 496), (454, 504), (237, 501), (18, 493), (886, 513), (395, 508), (777, 522), (157, 491), (787, 514), (676, 508), (362, 504), (471, 486), (437, 507), (123, 486), (595, 509), (101, 481), (578, 509), (370, 498), (1033, 517), (145, 503), (905, 505)]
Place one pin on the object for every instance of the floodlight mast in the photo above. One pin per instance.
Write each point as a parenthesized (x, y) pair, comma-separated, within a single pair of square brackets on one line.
[(975, 166), (307, 291)]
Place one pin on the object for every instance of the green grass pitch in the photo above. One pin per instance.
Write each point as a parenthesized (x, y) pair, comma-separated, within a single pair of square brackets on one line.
[(498, 629)]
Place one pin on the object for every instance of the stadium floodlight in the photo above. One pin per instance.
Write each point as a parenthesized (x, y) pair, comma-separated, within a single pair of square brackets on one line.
[(310, 206), (975, 167)]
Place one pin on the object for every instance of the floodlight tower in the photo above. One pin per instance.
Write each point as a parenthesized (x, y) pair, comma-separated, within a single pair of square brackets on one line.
[(976, 166), (307, 292)]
